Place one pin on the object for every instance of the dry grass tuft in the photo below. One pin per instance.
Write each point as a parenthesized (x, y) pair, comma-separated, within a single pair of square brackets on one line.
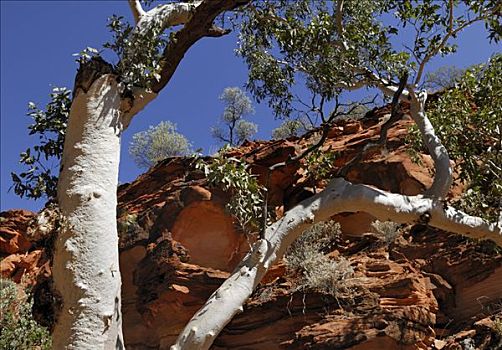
[(306, 257)]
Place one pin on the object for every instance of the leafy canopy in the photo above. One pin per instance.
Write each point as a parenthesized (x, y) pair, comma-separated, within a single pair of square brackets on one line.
[(334, 46), (328, 46), (157, 143)]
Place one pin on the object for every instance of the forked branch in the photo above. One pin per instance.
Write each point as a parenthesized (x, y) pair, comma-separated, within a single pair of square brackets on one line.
[(197, 19), (200, 25)]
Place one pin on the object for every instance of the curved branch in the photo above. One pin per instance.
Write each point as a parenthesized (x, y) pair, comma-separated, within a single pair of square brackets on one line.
[(200, 25), (197, 19), (395, 115), (340, 196), (443, 176)]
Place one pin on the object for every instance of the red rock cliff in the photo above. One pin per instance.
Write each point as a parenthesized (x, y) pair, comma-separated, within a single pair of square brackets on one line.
[(425, 290)]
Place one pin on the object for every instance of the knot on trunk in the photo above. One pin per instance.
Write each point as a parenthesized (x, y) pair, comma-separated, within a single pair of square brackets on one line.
[(90, 71)]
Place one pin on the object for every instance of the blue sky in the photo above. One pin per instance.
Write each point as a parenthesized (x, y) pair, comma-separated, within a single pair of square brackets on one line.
[(38, 39)]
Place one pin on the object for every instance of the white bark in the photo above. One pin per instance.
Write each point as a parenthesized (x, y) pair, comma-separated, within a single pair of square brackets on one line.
[(443, 176), (86, 265), (165, 16), (136, 9), (339, 196)]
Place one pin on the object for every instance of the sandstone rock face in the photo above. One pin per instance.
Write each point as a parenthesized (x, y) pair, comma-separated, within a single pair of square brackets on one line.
[(12, 226), (425, 290), (22, 260), (206, 230)]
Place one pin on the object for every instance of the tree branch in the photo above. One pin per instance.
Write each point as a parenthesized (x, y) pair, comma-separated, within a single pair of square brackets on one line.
[(136, 9), (198, 26), (197, 20), (339, 18), (339, 196), (443, 176), (451, 32), (395, 115)]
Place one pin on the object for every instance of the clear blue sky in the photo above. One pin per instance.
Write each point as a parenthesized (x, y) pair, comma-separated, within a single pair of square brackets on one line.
[(38, 39)]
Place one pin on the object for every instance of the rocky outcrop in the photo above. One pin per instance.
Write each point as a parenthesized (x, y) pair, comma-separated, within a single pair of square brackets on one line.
[(22, 260), (13, 224), (425, 289)]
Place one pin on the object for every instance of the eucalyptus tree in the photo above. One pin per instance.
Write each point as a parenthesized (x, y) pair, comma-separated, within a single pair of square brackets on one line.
[(235, 128), (332, 47), (105, 99), (443, 78)]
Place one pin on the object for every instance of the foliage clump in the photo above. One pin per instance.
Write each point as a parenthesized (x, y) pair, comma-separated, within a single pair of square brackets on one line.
[(445, 77), (468, 121), (139, 51), (320, 164), (246, 202), (50, 125), (285, 43), (18, 330), (158, 143), (306, 257)]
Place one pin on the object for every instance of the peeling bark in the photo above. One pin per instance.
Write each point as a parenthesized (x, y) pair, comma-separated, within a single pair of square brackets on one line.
[(340, 196)]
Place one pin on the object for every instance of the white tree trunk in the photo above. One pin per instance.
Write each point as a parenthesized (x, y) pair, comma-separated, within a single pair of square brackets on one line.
[(339, 196), (86, 260)]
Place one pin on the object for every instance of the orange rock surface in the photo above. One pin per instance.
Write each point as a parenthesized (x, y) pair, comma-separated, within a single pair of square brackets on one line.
[(425, 290)]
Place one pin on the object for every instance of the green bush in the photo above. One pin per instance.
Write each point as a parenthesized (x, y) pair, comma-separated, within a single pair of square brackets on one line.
[(158, 143), (17, 328), (320, 164)]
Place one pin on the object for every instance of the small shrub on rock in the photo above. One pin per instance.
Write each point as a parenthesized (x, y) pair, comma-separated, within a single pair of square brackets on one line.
[(18, 330), (386, 230), (318, 272)]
